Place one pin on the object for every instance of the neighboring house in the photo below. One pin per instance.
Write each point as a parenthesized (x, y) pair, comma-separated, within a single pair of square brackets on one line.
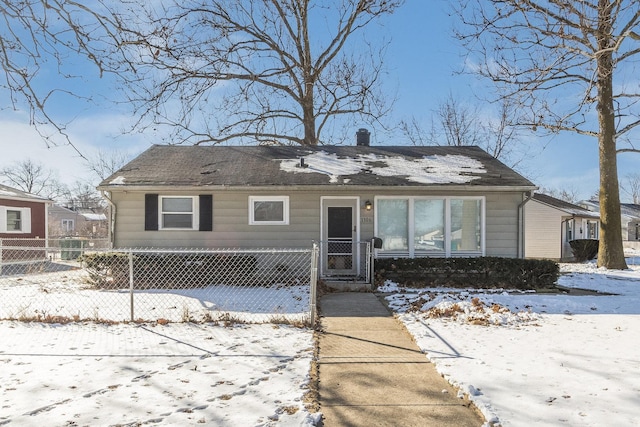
[(630, 218), (65, 222), (550, 224), (22, 216), (421, 201)]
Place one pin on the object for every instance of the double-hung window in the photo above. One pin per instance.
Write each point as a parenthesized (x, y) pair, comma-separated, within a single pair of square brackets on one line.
[(268, 210), (178, 212), (430, 226), (67, 225), (15, 220)]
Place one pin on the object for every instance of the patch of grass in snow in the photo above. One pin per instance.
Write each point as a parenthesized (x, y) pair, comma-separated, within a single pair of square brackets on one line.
[(289, 410), (283, 320), (56, 319), (462, 308)]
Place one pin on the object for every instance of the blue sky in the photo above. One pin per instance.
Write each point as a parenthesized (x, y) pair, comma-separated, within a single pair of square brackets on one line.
[(421, 63)]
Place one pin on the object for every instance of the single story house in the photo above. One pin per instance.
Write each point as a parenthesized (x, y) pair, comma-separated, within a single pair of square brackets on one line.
[(550, 224), (22, 216), (630, 218), (420, 201), (65, 222)]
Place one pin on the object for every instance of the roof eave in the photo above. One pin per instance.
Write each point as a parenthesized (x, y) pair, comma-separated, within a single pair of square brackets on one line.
[(439, 187), (27, 199)]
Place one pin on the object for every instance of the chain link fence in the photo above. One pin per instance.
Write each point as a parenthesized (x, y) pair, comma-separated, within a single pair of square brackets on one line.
[(80, 282)]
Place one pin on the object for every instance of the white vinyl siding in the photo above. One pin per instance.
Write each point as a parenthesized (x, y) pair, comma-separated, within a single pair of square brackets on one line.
[(548, 231), (543, 231), (231, 229)]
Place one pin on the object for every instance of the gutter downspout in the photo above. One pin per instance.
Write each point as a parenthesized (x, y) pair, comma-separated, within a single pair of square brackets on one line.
[(112, 219), (528, 196)]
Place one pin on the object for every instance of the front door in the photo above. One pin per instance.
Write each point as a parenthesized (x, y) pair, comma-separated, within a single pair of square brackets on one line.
[(339, 254)]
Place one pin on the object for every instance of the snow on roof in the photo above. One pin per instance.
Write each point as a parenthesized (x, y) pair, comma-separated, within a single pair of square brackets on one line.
[(17, 194), (8, 193), (94, 216), (447, 169), (119, 180)]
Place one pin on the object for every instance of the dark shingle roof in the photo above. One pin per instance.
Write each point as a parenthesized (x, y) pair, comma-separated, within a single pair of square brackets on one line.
[(567, 207), (164, 165)]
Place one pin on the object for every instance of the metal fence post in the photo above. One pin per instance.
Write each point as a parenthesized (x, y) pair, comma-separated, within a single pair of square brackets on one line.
[(0, 256), (369, 264), (314, 282), (131, 282)]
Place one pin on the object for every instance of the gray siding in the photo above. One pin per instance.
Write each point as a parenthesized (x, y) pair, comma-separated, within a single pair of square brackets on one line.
[(502, 224), (231, 227)]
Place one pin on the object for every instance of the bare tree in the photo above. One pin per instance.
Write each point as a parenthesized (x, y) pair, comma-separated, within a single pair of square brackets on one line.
[(34, 178), (276, 71), (631, 186), (106, 163), (540, 54), (37, 40), (453, 123), (83, 195), (456, 123), (568, 194)]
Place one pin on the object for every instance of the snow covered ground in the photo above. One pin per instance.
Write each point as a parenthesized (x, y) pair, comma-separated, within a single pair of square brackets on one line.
[(68, 296), (537, 360), (89, 374), (525, 360)]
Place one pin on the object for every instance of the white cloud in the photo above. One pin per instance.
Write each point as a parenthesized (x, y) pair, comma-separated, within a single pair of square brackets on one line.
[(89, 136)]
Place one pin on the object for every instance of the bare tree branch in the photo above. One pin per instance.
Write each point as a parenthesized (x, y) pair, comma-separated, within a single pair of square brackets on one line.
[(34, 178), (455, 123), (631, 186), (275, 71), (556, 61)]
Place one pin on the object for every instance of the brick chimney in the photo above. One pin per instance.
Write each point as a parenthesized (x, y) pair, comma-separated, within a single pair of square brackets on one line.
[(362, 137)]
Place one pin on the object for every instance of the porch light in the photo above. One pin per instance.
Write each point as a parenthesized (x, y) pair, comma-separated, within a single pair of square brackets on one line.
[(368, 205)]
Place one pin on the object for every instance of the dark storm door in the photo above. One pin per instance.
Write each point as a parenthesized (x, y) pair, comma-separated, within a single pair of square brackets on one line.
[(340, 248)]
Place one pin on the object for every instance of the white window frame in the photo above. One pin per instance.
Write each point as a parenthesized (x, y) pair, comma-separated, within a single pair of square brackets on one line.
[(194, 213), (411, 253), (570, 230), (68, 221), (596, 228), (285, 209), (25, 220)]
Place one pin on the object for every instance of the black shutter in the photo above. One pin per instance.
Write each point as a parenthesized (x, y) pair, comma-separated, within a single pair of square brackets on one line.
[(150, 211), (206, 212)]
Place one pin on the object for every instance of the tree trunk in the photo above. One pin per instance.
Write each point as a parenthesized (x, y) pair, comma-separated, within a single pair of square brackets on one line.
[(610, 251), (308, 117)]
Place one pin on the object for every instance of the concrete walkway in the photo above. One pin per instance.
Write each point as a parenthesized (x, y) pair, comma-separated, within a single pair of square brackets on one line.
[(373, 374)]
